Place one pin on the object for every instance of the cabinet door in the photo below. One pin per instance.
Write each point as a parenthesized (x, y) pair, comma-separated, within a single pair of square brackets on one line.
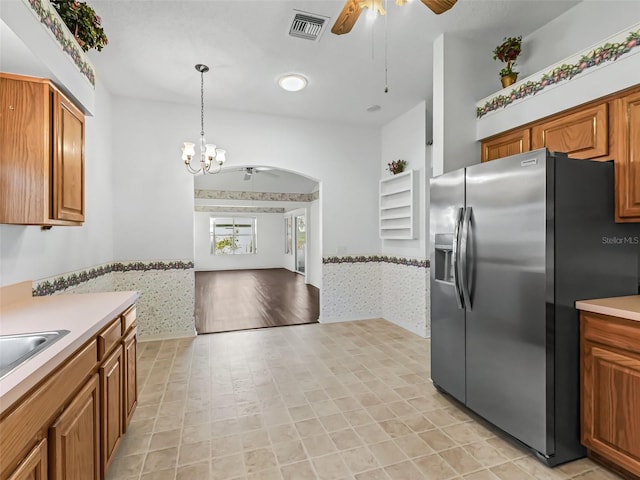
[(611, 404), (75, 437), (34, 467), (112, 400), (582, 134), (68, 178), (505, 145), (130, 377), (627, 141)]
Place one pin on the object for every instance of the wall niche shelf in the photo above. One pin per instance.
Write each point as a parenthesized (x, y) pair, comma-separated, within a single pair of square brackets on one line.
[(397, 207)]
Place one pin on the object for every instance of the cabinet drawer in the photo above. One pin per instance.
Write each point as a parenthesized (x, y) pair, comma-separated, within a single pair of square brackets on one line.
[(613, 331), (109, 338), (128, 319), (583, 134)]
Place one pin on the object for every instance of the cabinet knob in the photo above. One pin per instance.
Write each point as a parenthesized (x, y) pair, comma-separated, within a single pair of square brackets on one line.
[(11, 107)]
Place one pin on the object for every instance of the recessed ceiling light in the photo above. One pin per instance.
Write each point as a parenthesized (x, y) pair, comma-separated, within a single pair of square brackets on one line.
[(292, 82), (373, 108)]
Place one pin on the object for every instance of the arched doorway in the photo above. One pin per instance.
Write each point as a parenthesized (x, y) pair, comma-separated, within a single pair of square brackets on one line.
[(257, 249)]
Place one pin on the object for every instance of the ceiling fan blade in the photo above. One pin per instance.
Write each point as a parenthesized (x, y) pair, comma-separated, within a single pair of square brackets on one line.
[(439, 6), (347, 18)]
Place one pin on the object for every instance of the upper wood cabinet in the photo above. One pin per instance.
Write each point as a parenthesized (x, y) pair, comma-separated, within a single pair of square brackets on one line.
[(627, 156), (605, 129), (507, 144), (41, 154), (582, 134)]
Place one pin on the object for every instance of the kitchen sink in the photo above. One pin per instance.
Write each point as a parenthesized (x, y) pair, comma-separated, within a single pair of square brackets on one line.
[(16, 349)]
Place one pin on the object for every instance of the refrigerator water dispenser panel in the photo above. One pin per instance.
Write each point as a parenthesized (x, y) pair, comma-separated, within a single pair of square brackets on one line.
[(444, 257)]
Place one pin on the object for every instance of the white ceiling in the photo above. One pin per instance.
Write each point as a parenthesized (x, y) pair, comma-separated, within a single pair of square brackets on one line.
[(264, 180), (154, 45)]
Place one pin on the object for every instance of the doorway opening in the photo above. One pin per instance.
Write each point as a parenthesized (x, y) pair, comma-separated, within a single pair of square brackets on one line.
[(256, 249)]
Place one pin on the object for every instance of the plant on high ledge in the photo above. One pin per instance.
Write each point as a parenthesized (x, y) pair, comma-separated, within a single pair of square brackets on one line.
[(508, 51), (83, 22), (397, 166)]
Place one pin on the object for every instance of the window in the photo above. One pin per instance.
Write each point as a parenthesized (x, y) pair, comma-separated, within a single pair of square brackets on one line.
[(233, 235)]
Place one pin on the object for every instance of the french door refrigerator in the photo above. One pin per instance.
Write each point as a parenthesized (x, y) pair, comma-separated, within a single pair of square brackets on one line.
[(514, 243)]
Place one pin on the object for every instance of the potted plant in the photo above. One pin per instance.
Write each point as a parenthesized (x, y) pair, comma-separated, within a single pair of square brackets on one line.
[(507, 52), (397, 166), (83, 23)]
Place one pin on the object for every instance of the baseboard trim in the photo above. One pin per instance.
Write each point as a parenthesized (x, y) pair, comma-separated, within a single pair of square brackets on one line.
[(166, 336)]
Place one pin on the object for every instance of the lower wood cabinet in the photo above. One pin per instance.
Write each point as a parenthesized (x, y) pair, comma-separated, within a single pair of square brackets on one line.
[(111, 392), (131, 377), (70, 426), (34, 467), (610, 358), (75, 440)]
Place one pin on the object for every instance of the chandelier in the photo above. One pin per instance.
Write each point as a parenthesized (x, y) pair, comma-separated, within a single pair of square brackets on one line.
[(209, 153)]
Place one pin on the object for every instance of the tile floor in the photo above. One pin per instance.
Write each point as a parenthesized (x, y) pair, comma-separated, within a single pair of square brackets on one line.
[(327, 401)]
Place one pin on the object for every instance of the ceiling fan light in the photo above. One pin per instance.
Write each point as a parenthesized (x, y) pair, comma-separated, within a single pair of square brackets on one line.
[(292, 82)]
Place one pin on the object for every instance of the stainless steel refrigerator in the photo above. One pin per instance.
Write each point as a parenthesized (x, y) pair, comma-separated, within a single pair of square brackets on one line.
[(514, 243)]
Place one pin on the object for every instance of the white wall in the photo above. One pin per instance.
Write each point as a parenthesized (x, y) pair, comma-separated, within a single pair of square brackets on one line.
[(405, 138), (154, 192), (270, 244), (29, 253), (462, 74), (314, 245)]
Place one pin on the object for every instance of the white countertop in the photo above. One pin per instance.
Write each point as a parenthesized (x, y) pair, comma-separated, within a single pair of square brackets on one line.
[(623, 307), (84, 315)]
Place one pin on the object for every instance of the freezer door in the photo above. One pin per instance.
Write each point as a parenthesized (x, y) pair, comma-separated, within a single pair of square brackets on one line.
[(508, 371), (447, 315)]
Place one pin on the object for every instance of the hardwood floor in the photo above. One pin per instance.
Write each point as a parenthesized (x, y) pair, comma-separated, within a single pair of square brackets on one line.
[(243, 299)]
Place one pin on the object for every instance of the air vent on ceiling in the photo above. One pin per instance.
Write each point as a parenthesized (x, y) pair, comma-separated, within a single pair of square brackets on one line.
[(307, 25)]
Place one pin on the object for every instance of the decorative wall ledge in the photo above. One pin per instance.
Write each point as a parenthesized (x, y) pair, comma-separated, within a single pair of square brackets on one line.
[(610, 50), (48, 16), (410, 262)]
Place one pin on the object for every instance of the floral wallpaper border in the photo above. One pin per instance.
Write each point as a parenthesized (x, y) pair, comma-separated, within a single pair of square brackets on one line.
[(49, 17), (610, 51), (223, 208), (410, 262), (63, 282), (263, 196)]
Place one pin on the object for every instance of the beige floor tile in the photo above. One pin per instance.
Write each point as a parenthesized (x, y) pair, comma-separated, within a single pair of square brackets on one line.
[(325, 407), (577, 467), (481, 475), (461, 461), (539, 471), (162, 440), (224, 468), (193, 471), (260, 459), (171, 422), (435, 467), (510, 471), (404, 471), (334, 422), (194, 452), (224, 446), (506, 448), (437, 440), (289, 452), (318, 445), (255, 439), (377, 474), (598, 474), (358, 418), (298, 471), (371, 434), (462, 433), (395, 428), (485, 453), (160, 459), (166, 474), (128, 466), (387, 453), (413, 446), (359, 459), (270, 474), (440, 418), (302, 412), (345, 439), (330, 467)]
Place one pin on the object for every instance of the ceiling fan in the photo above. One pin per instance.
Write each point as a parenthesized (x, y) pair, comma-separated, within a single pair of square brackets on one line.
[(352, 9), (250, 171)]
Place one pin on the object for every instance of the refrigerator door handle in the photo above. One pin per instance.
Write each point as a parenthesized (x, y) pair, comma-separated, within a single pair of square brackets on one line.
[(463, 273), (456, 260)]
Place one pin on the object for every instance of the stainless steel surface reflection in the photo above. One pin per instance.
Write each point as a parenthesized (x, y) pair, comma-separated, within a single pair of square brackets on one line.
[(17, 349)]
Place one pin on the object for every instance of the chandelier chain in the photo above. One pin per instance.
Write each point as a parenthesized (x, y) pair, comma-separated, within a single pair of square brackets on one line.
[(202, 104)]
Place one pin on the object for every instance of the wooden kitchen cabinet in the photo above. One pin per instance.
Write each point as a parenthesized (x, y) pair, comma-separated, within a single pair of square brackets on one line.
[(610, 385), (580, 134), (41, 154), (34, 467), (75, 437), (111, 381), (130, 387), (627, 156), (506, 144), (605, 129)]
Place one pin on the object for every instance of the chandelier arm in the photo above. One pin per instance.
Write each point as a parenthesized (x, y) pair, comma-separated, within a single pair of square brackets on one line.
[(192, 170)]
